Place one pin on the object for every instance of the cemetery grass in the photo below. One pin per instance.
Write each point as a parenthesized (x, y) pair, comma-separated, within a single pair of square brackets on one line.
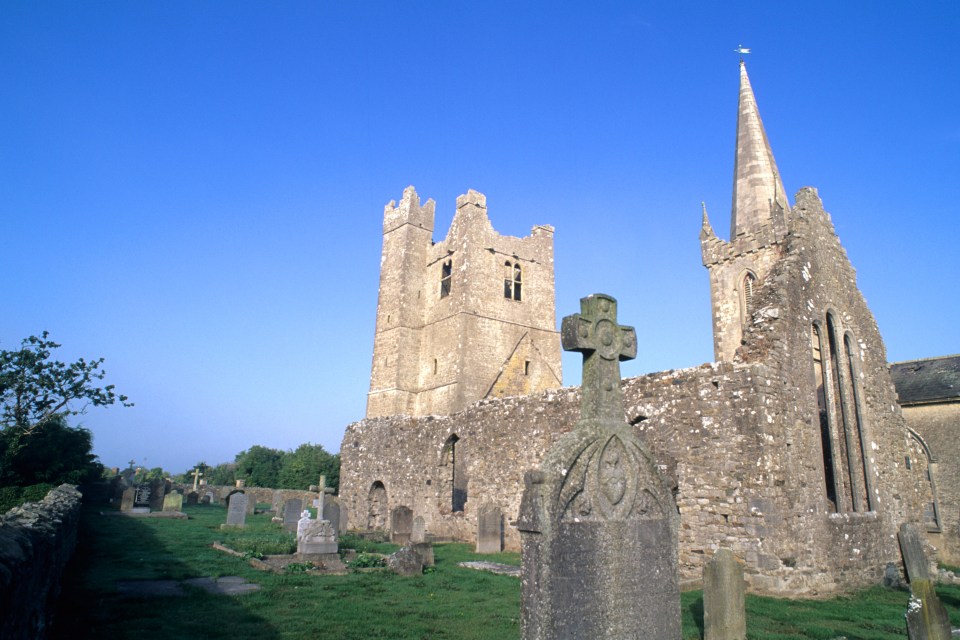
[(449, 602)]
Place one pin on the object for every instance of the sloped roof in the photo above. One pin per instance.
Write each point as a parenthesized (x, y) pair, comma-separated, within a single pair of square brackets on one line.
[(927, 380)]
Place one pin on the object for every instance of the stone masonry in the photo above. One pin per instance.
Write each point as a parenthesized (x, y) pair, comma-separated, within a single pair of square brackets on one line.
[(496, 289), (790, 450)]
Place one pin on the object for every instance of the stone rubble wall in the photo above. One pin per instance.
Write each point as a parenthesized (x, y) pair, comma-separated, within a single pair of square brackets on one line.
[(260, 495), (37, 540)]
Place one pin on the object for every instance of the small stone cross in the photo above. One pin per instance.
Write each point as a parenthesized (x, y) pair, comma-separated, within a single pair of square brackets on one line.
[(324, 490), (594, 332), (196, 477)]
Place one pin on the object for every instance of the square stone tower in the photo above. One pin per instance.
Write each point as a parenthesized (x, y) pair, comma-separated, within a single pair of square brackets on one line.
[(467, 318)]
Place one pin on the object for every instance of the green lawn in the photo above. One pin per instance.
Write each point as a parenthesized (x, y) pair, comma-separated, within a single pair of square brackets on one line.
[(449, 602)]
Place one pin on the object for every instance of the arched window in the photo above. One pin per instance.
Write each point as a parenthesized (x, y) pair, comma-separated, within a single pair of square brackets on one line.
[(747, 286), (826, 440), (454, 468), (446, 273), (860, 435), (512, 277), (377, 507)]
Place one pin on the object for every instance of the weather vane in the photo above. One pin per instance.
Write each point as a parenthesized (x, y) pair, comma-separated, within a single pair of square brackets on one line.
[(741, 50)]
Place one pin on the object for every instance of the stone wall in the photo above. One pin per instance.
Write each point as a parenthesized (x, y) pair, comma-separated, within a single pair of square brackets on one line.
[(260, 495), (432, 294), (37, 540), (799, 470), (939, 426)]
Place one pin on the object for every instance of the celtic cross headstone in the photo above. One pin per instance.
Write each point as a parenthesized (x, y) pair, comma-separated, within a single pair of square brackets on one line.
[(598, 522)]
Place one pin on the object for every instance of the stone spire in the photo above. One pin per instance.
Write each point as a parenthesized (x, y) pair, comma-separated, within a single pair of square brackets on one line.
[(757, 187)]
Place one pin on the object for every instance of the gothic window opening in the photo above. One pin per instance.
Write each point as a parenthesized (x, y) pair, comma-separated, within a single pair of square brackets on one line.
[(826, 443), (455, 476), (849, 442), (446, 274), (512, 281), (377, 507), (747, 287), (861, 436)]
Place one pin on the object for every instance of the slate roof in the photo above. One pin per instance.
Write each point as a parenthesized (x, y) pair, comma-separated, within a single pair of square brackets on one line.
[(930, 380)]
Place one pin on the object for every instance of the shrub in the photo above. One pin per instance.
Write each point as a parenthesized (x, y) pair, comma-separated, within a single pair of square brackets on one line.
[(367, 560)]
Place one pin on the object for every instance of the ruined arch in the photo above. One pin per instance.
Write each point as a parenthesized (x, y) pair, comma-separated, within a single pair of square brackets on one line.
[(453, 468), (377, 507), (931, 508)]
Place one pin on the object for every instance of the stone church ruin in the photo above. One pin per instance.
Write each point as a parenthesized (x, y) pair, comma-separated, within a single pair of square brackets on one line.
[(789, 449)]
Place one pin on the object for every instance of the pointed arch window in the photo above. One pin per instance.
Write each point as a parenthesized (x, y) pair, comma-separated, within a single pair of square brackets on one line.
[(826, 439), (748, 285), (454, 471), (860, 436), (446, 275), (512, 281)]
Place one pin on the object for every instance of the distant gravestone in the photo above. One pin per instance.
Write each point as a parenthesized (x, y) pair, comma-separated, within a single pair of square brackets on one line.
[(911, 548), (331, 513), (291, 513), (192, 498), (250, 503), (237, 510), (406, 562), (142, 494), (208, 498), (127, 499), (158, 489), (489, 529), (598, 522), (926, 616), (401, 525), (173, 501), (343, 520), (724, 613), (425, 549), (419, 532)]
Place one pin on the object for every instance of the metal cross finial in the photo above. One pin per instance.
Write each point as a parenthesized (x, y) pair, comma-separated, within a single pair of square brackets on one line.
[(594, 332)]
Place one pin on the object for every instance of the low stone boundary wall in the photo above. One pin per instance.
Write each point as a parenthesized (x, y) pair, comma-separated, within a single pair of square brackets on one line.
[(37, 540)]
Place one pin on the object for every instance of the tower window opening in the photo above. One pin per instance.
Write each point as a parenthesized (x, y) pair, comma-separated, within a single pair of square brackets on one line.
[(512, 277), (747, 287), (526, 367), (446, 274)]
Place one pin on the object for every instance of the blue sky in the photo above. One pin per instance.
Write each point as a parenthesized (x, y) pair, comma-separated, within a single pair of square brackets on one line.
[(194, 190)]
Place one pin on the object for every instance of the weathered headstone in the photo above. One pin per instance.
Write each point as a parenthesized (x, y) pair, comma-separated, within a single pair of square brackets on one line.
[(158, 489), (251, 503), (405, 562), (598, 522), (926, 616), (911, 548), (237, 510), (208, 498), (331, 513), (419, 532), (142, 494), (173, 501), (128, 498), (401, 525), (343, 520), (315, 537), (291, 513), (425, 549), (489, 529), (192, 498), (724, 613)]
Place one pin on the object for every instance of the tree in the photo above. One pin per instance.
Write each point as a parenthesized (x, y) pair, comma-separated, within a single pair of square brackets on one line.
[(35, 390), (260, 466), (304, 466), (53, 452), (224, 474)]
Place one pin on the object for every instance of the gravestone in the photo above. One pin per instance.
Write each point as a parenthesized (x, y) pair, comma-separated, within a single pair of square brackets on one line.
[(724, 613), (911, 548), (419, 532), (173, 501), (208, 498), (598, 522), (236, 510), (343, 520), (331, 513), (315, 537), (489, 529), (291, 513), (926, 616), (127, 499), (192, 498), (425, 549), (401, 525), (158, 489), (251, 501), (142, 497)]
